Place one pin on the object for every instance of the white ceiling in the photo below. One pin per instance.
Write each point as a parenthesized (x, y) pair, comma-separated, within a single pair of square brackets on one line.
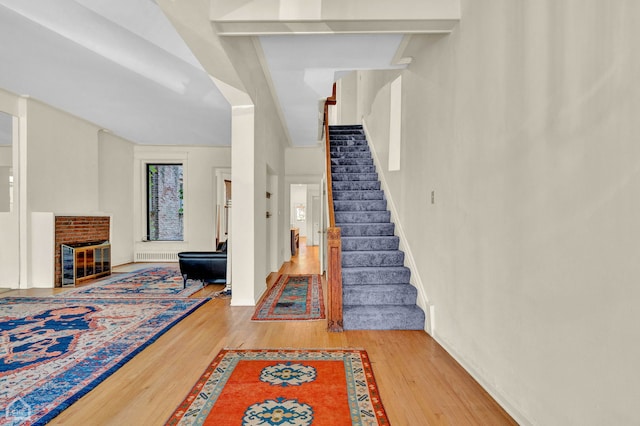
[(303, 69), (121, 65)]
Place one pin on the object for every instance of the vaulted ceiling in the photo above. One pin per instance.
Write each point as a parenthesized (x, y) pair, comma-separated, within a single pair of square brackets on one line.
[(117, 63), (121, 65)]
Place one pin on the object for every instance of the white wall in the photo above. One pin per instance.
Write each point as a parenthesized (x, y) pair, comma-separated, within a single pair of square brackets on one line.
[(307, 161), (347, 88), (116, 193), (62, 156), (524, 123)]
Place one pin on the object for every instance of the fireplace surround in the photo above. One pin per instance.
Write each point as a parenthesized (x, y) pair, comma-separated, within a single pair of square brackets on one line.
[(75, 230)]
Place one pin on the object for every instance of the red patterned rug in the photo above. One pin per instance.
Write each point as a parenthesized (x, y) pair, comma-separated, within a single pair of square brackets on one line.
[(292, 298), (298, 387)]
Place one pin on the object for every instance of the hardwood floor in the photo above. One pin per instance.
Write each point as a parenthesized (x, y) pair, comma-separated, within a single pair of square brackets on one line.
[(419, 382)]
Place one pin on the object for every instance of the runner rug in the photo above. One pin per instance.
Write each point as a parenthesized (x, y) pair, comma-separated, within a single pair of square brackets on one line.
[(53, 351), (154, 282), (292, 297), (284, 387)]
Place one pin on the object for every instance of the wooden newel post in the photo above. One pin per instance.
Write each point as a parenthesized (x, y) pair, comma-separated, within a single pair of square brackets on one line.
[(334, 284)]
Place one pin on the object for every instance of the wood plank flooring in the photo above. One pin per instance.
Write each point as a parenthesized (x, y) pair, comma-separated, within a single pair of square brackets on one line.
[(419, 382)]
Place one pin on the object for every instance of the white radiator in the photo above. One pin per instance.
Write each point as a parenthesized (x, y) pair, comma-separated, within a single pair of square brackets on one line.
[(156, 256)]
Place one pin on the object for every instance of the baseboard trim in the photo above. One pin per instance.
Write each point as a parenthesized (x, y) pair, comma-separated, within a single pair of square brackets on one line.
[(491, 390)]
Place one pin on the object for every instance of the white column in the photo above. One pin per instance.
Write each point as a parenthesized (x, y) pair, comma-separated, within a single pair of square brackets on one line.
[(242, 195)]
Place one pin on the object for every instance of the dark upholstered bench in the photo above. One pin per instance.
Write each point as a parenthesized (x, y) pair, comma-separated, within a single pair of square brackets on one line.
[(208, 266)]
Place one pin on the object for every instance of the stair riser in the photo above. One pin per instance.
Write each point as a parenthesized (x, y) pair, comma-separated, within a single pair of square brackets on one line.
[(364, 276), (354, 169), (370, 243), (360, 205), (356, 259), (354, 177), (363, 217), (347, 132), (375, 319), (367, 230), (383, 294), (351, 161), (350, 155), (353, 128), (345, 126), (348, 141), (348, 149), (357, 195), (355, 186)]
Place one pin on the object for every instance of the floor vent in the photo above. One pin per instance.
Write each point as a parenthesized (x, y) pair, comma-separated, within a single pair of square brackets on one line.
[(154, 256)]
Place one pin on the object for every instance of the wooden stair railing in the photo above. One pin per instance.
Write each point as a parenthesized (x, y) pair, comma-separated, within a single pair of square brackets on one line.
[(334, 244)]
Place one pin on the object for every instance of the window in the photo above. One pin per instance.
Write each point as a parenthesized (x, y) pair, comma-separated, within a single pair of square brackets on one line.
[(165, 209)]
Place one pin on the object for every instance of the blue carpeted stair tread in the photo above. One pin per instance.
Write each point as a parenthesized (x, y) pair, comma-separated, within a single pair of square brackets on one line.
[(354, 177), (379, 294), (349, 148), (391, 242), (338, 161), (373, 258), (350, 154), (365, 276), (355, 186), (383, 317), (366, 229), (363, 216), (370, 194), (354, 168), (348, 141), (359, 205)]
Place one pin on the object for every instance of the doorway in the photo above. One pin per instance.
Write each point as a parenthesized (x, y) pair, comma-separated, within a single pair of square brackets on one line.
[(305, 211)]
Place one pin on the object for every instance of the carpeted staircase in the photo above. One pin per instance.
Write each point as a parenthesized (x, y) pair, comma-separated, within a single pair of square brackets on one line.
[(376, 291)]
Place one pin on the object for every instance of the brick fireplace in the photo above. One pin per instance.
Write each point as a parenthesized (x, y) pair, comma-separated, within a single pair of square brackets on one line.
[(77, 229)]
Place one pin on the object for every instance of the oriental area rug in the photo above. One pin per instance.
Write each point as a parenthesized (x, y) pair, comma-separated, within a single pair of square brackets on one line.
[(156, 282), (292, 298), (53, 351), (299, 387)]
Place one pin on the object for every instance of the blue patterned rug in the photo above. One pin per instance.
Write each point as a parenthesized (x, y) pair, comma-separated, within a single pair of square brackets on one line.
[(160, 281), (292, 298), (53, 351)]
